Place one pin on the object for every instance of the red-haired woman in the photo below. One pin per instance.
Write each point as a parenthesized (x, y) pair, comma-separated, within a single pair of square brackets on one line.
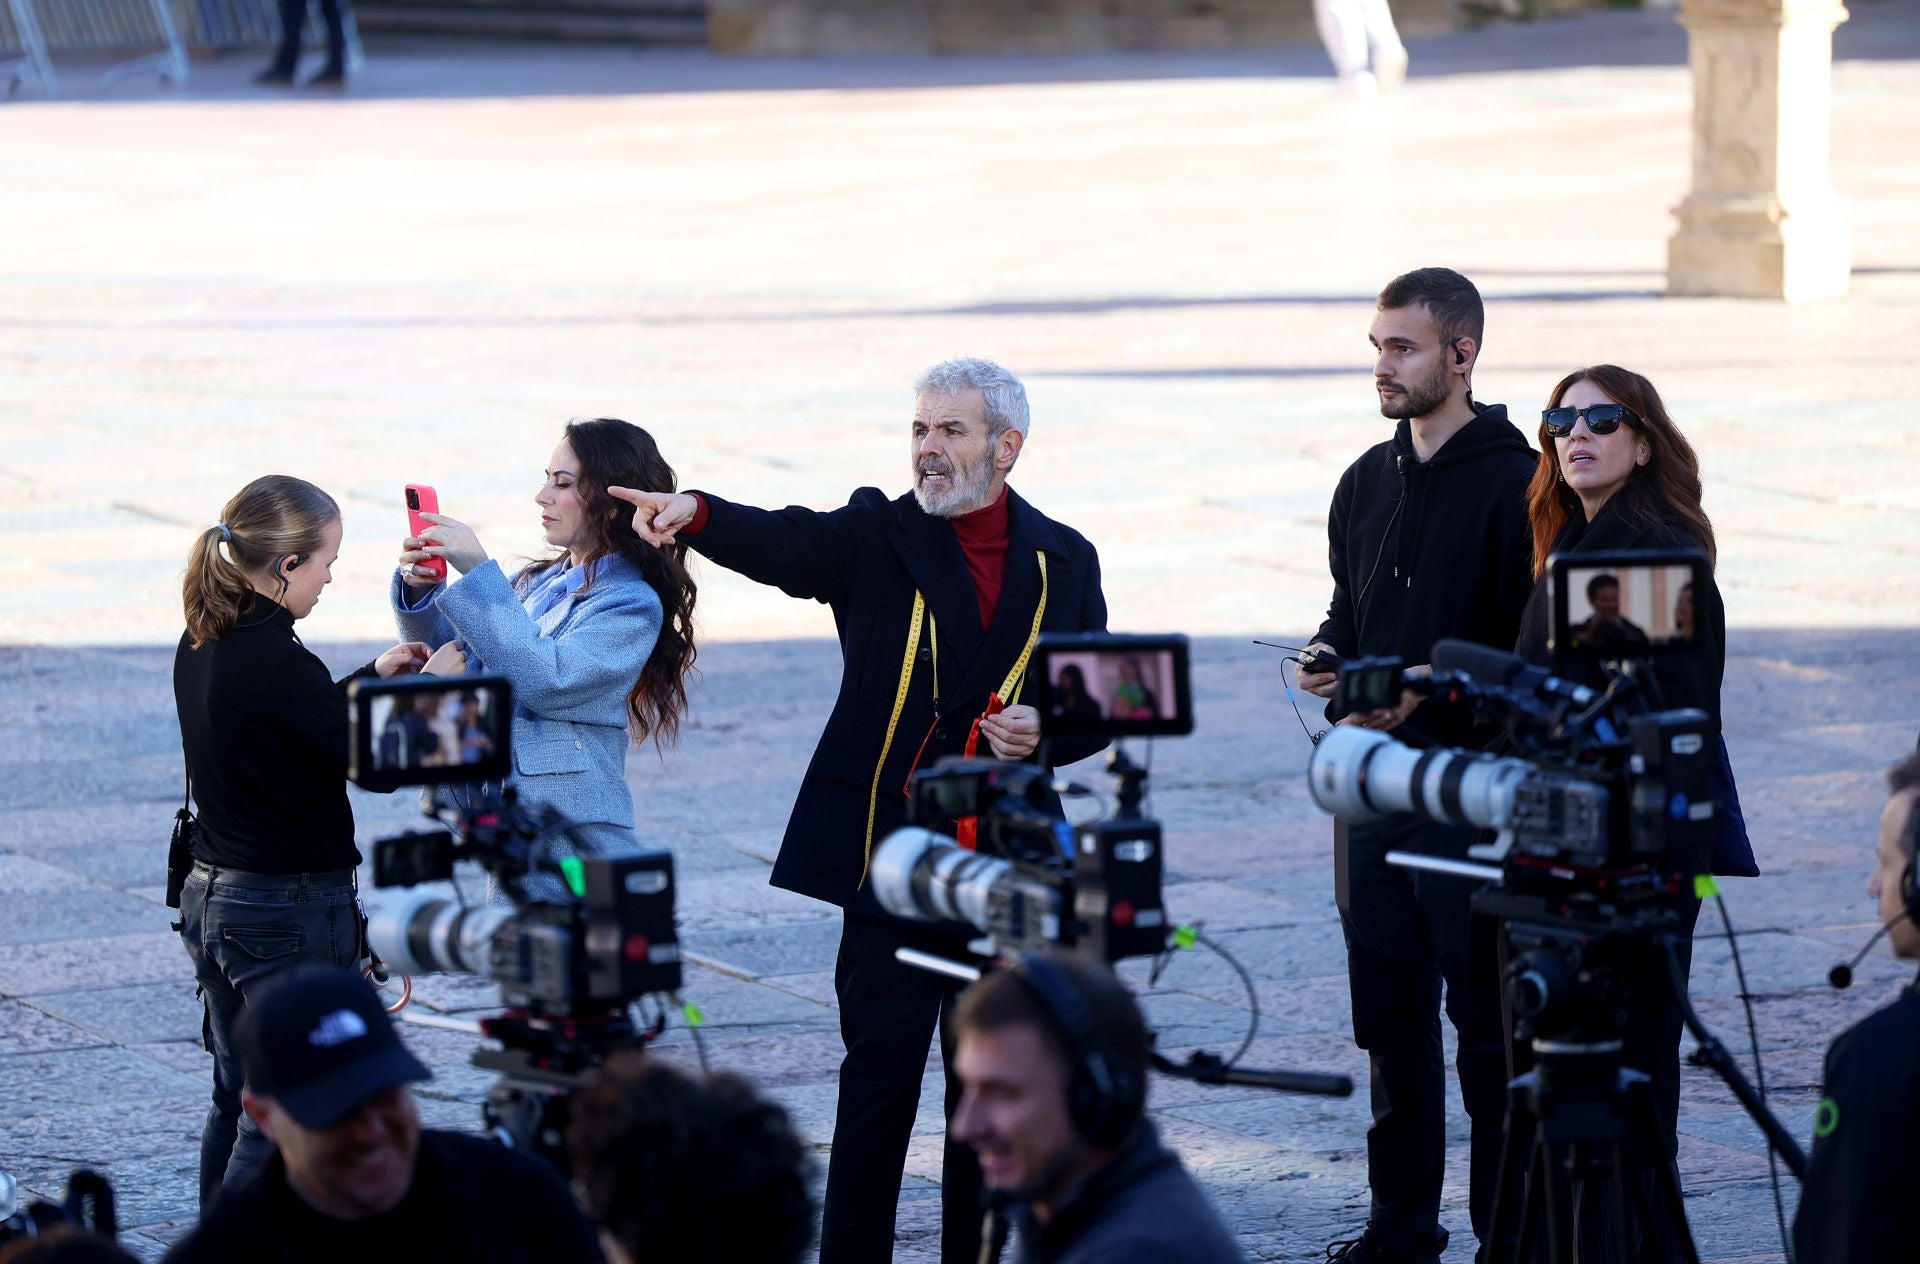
[(1616, 474)]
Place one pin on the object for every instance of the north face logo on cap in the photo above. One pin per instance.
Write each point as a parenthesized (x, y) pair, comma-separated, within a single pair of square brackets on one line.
[(337, 1028)]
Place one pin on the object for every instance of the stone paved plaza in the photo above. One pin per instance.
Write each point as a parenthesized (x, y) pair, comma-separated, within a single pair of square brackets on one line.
[(422, 281)]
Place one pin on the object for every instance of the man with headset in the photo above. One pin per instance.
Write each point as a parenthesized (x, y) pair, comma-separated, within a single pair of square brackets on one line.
[(1856, 1204), (1052, 1059)]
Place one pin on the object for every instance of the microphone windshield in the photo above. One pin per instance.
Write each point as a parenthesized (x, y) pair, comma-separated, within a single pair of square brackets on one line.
[(1482, 662), (1840, 977)]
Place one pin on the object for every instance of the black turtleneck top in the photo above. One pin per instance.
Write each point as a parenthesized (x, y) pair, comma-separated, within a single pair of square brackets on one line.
[(265, 734)]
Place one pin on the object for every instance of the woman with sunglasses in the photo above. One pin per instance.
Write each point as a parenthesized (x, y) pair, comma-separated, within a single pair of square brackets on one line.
[(1616, 474)]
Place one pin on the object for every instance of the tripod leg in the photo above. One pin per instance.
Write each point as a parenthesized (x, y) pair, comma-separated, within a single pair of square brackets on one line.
[(1556, 1200), (1510, 1195), (1619, 1196), (1674, 1227)]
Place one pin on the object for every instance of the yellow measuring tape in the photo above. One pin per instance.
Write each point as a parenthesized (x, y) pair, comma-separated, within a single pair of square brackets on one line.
[(893, 721), (1009, 689)]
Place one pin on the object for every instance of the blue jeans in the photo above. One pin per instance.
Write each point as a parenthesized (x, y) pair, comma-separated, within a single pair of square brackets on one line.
[(240, 930)]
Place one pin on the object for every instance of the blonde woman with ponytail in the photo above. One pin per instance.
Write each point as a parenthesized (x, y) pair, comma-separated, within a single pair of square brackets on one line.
[(264, 730)]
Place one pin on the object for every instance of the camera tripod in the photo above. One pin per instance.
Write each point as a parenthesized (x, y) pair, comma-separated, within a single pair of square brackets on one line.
[(1580, 1131), (1582, 1137)]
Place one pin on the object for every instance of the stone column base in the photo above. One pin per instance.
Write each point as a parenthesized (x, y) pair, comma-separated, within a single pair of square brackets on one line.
[(1755, 248)]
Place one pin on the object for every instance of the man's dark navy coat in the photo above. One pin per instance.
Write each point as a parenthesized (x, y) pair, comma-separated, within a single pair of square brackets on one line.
[(865, 560)]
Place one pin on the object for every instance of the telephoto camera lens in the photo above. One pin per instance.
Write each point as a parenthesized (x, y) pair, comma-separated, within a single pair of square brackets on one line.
[(1358, 774), (415, 931), (928, 877)]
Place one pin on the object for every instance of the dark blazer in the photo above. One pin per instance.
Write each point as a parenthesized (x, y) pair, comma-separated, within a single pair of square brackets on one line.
[(1683, 681), (865, 560)]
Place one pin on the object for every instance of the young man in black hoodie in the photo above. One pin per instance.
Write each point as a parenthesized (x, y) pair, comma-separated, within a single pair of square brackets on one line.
[(1427, 538)]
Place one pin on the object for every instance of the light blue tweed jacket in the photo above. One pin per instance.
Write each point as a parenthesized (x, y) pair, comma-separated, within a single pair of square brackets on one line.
[(570, 670)]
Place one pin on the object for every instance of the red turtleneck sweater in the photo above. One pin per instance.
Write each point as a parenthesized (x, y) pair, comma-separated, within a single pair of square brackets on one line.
[(983, 538)]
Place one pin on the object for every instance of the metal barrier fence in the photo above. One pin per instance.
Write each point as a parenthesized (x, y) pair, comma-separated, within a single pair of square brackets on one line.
[(31, 31)]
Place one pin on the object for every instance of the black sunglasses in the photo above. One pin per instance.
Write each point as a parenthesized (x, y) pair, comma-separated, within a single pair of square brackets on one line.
[(1601, 419)]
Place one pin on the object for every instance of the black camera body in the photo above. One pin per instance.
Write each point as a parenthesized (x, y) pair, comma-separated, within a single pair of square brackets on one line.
[(1037, 881), (1601, 789), (582, 939), (584, 933)]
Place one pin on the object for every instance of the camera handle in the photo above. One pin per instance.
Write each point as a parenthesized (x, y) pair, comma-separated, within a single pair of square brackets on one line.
[(1210, 1068), (1128, 779), (1202, 1067)]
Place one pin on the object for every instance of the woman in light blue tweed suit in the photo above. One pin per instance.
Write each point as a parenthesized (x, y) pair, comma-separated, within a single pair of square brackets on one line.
[(596, 641)]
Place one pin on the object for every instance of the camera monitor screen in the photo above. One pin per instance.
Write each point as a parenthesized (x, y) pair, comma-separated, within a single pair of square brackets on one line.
[(422, 731), (1624, 605), (1097, 684)]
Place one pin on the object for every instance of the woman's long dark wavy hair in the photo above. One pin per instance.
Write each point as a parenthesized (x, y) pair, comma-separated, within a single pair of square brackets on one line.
[(1664, 490), (614, 453)]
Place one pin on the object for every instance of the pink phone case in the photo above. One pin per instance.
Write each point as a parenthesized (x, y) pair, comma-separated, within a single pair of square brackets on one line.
[(422, 499)]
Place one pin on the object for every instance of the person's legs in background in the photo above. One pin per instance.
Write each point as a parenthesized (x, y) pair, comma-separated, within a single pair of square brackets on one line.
[(1363, 44), (1343, 30), (334, 73), (888, 1014), (293, 16), (1383, 41), (1395, 982)]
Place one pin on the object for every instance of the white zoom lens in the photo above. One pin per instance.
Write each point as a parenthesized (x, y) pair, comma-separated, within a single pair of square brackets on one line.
[(928, 877), (421, 931), (1360, 775)]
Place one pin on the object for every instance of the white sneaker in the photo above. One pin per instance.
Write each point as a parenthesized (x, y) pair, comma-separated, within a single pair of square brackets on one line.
[(1390, 67), (1360, 84)]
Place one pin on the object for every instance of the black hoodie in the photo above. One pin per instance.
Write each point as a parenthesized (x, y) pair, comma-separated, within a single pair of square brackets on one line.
[(1426, 550)]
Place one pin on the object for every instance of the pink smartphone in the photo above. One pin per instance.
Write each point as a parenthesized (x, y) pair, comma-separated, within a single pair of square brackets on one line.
[(422, 499)]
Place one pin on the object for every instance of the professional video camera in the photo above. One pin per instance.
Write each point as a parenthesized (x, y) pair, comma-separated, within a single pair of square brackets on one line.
[(1602, 820), (1037, 882), (583, 937), (87, 1206)]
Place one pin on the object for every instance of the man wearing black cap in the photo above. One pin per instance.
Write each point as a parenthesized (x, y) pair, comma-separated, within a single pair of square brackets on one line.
[(327, 1083)]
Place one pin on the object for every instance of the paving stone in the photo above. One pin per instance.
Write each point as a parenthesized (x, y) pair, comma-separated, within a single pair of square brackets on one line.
[(131, 1016), (734, 899), (43, 1086), (730, 1002), (122, 866), (62, 965), (40, 916), (81, 824), (189, 1056), (758, 952), (24, 1029), (23, 874)]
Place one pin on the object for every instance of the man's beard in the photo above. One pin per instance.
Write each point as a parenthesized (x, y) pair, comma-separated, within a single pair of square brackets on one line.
[(1419, 400), (966, 490)]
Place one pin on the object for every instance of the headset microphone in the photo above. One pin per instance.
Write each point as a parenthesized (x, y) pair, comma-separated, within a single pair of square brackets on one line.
[(1841, 976)]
